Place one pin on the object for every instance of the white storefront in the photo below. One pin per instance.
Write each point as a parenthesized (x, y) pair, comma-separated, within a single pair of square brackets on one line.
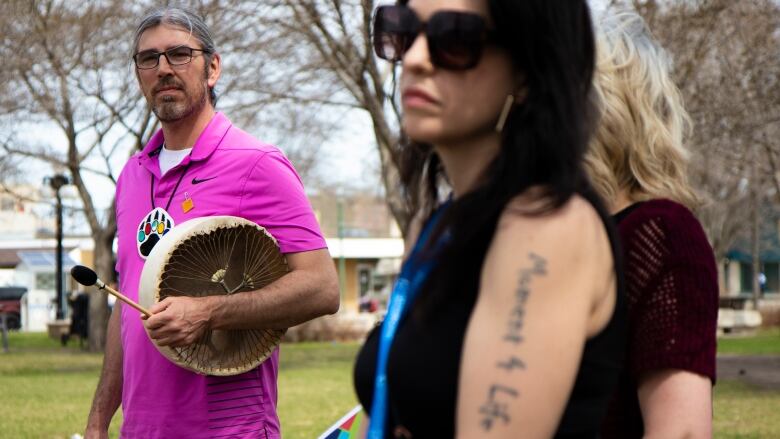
[(37, 273)]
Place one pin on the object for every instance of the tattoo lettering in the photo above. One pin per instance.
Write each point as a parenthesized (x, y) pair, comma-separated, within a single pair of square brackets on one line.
[(517, 317), (511, 364), (495, 409), (514, 338)]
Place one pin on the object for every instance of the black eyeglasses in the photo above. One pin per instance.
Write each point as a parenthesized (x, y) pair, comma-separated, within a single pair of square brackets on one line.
[(456, 40), (176, 56)]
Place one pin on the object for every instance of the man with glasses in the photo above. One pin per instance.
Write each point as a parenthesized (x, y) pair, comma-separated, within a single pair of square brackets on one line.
[(198, 165)]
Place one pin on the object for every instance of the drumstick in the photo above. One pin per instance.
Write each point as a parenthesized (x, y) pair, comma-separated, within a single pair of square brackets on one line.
[(87, 277)]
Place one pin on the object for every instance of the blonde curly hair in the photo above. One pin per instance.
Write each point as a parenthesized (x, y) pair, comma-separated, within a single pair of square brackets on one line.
[(638, 145)]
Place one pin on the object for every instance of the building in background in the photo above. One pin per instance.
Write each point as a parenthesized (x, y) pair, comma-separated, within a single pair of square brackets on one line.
[(27, 253), (737, 266), (362, 237), (36, 271), (30, 264), (736, 278), (366, 246), (19, 218)]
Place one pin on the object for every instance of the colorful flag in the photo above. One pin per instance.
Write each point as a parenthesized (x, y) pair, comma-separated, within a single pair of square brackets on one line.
[(347, 427)]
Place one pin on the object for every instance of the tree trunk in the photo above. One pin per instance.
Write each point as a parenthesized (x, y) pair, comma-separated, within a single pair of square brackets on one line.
[(98, 305), (388, 162), (394, 199)]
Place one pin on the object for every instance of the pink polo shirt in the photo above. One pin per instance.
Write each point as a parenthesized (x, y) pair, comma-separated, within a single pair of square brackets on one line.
[(228, 173)]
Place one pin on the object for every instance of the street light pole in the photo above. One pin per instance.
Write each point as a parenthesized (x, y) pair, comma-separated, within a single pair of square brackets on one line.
[(755, 235), (56, 182), (342, 264)]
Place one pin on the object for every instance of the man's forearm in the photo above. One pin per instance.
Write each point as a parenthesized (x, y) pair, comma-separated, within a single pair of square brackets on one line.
[(293, 299), (108, 395), (309, 290)]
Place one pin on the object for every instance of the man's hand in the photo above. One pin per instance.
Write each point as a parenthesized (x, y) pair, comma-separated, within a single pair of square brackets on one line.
[(179, 321)]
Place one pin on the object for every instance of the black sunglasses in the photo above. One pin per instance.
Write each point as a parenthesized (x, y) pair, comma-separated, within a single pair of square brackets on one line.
[(456, 40)]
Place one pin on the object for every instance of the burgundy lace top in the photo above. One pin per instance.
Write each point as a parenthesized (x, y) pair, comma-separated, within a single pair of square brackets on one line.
[(672, 292)]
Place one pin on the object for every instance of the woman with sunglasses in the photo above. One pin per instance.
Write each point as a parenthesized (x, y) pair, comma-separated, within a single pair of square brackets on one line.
[(507, 318), (638, 163)]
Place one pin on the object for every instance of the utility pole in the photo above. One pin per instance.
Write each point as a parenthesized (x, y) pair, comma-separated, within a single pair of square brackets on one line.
[(342, 262), (754, 229), (57, 182)]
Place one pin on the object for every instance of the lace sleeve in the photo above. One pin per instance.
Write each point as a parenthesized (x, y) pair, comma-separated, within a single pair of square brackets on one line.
[(673, 297)]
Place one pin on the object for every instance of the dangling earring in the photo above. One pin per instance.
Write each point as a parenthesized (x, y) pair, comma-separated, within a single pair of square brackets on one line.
[(510, 101)]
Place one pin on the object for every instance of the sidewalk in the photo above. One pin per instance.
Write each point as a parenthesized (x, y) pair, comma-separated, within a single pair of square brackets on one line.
[(762, 371)]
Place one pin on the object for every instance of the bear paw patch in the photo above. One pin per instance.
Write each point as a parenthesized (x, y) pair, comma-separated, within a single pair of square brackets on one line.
[(153, 227)]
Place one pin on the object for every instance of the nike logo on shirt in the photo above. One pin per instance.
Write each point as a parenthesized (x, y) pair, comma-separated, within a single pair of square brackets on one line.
[(196, 180)]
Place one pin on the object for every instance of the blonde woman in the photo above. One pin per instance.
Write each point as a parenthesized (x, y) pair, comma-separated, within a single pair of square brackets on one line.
[(638, 164)]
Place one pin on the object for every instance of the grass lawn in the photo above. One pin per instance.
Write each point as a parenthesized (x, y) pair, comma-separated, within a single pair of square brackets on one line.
[(46, 390), (315, 387), (765, 342), (742, 412)]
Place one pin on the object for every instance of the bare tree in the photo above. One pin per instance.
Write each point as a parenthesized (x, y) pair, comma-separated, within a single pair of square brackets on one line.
[(328, 42), (67, 66), (294, 68), (271, 83), (726, 64), (730, 87), (770, 144)]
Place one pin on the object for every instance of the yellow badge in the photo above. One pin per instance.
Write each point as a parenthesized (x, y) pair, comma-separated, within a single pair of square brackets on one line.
[(187, 205)]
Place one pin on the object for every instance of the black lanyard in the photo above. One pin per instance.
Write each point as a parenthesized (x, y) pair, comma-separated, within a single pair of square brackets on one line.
[(175, 188)]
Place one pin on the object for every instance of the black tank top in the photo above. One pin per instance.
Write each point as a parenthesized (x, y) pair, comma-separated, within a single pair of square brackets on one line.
[(424, 364)]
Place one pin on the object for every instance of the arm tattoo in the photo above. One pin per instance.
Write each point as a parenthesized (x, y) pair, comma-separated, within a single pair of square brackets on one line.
[(517, 316), (496, 407), (512, 363)]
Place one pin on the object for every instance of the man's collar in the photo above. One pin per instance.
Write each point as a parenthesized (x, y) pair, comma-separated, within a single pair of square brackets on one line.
[(211, 137), (207, 142)]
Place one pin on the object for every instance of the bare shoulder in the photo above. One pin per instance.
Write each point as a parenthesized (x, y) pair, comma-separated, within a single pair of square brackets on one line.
[(571, 239), (574, 225), (569, 244)]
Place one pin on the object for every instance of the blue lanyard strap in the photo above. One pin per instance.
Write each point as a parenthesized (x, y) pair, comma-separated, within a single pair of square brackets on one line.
[(413, 274)]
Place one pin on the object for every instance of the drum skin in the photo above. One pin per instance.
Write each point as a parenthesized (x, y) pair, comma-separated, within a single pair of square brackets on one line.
[(209, 256)]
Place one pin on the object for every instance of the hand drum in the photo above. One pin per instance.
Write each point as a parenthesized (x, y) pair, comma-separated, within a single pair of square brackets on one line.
[(208, 256)]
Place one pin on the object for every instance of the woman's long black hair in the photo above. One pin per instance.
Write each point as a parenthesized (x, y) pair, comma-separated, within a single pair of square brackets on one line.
[(551, 44)]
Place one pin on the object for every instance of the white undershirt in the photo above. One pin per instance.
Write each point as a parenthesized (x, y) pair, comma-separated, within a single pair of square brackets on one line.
[(170, 158)]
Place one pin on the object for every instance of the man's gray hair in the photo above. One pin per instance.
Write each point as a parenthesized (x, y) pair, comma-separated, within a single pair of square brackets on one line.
[(185, 19)]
